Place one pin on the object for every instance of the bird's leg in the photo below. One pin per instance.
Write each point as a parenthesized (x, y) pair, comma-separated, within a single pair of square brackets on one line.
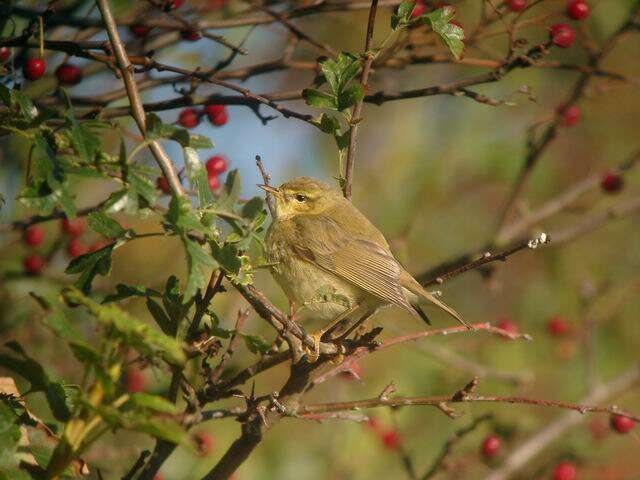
[(317, 336)]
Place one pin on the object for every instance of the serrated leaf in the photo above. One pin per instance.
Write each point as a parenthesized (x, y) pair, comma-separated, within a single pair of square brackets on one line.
[(182, 216), (328, 123), (102, 223), (452, 35), (252, 208), (200, 141), (350, 96), (156, 130), (198, 177), (402, 16), (91, 264), (125, 291), (197, 261), (340, 71), (319, 99), (161, 318)]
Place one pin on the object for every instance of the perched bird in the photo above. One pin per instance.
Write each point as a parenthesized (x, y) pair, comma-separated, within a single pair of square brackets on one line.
[(330, 259)]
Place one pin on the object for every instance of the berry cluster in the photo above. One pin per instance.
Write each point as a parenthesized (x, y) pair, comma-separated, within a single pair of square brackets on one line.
[(217, 115), (216, 166)]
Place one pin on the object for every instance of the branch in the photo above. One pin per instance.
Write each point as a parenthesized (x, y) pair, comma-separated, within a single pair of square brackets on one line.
[(357, 110), (137, 110)]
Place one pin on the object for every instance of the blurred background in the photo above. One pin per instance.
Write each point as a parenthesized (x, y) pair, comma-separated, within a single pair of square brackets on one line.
[(433, 174)]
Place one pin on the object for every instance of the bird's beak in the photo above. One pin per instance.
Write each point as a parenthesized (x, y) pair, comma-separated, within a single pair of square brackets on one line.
[(269, 189)]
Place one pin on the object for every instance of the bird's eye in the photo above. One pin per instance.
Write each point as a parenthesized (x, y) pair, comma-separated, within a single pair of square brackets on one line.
[(301, 198)]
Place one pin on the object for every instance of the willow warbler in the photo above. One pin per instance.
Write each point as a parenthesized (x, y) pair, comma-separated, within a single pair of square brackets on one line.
[(329, 258)]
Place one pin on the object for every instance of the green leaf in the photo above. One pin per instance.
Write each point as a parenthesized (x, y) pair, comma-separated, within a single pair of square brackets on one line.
[(198, 177), (105, 225), (227, 257), (341, 71), (153, 402), (253, 208), (136, 333), (230, 193), (350, 96), (91, 264), (199, 141), (402, 16), (197, 261), (452, 35), (125, 291), (156, 130), (161, 318), (328, 123), (319, 99), (256, 343), (83, 140)]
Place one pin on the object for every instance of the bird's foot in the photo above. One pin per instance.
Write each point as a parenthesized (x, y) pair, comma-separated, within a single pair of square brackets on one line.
[(313, 355)]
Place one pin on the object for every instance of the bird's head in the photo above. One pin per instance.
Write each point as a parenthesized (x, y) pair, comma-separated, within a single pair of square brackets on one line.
[(302, 196)]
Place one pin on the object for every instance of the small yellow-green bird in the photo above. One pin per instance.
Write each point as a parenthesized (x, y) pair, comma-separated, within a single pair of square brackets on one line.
[(329, 258)]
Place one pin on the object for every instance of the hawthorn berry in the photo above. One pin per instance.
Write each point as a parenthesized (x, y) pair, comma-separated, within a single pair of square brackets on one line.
[(220, 119), (34, 68), (611, 182), (217, 114), (163, 185), (558, 326), (135, 380), (205, 443), (578, 9), (34, 236), (565, 471), (5, 54), (517, 5), (76, 248), (391, 439), (189, 118), (217, 164), (75, 227), (622, 424), (562, 35), (570, 115), (140, 31), (69, 74), (172, 4), (214, 182), (491, 446), (34, 264), (506, 324), (418, 9), (191, 35)]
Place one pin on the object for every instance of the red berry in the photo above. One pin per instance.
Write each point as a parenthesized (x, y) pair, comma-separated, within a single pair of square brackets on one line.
[(562, 35), (578, 9), (34, 264), (220, 119), (418, 9), (507, 325), (216, 114), (34, 68), (204, 443), (558, 326), (373, 423), (611, 182), (74, 228), (217, 164), (570, 115), (391, 439), (214, 182), (191, 35), (34, 236), (517, 5), (172, 4), (76, 248), (622, 424), (491, 446), (565, 471), (163, 184), (69, 74), (135, 380), (5, 54), (140, 31), (189, 118)]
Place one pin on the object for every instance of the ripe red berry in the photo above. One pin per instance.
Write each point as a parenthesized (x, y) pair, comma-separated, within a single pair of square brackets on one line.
[(34, 68), (391, 439), (565, 471), (69, 74), (34, 264), (191, 35), (418, 9), (163, 185), (217, 164), (217, 114), (558, 326), (135, 380), (204, 443), (172, 4), (622, 424), (506, 324), (491, 446), (578, 9), (5, 54), (570, 115), (76, 248), (75, 227), (611, 182), (562, 35), (214, 182), (140, 31), (517, 5), (220, 119), (34, 236), (189, 118)]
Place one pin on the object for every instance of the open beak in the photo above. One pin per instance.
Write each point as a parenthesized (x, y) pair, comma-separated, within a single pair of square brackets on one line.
[(269, 189)]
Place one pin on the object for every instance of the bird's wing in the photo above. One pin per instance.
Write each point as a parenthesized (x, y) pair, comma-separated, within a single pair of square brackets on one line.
[(366, 264)]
